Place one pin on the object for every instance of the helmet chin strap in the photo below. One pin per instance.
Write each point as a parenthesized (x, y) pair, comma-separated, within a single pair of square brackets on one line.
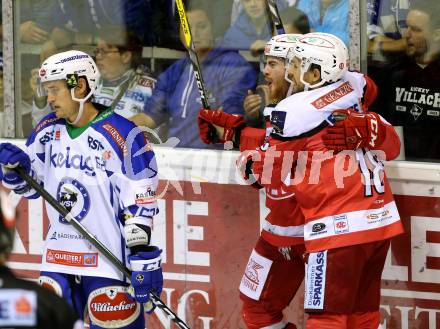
[(80, 110), (81, 102), (290, 81)]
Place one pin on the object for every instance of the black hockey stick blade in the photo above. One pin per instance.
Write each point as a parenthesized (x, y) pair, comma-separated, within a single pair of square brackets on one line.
[(96, 243), (275, 16)]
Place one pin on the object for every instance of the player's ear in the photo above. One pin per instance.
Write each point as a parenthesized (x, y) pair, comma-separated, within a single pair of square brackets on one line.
[(126, 56), (81, 88), (316, 75)]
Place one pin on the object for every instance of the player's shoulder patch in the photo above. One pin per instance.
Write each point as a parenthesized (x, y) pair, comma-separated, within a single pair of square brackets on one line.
[(48, 120), (119, 131), (116, 136), (332, 95), (277, 121), (45, 129)]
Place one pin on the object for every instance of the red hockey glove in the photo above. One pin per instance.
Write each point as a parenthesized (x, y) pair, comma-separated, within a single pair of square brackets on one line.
[(230, 123), (205, 131), (356, 131)]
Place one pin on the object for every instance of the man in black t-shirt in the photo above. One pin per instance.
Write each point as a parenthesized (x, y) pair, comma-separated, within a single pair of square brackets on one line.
[(24, 304), (410, 96)]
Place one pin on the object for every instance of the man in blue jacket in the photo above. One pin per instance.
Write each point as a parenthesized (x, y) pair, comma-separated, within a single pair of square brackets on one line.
[(329, 16), (176, 99)]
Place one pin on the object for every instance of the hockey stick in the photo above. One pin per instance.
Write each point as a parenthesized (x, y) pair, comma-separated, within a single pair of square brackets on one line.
[(192, 53), (275, 16), (96, 243)]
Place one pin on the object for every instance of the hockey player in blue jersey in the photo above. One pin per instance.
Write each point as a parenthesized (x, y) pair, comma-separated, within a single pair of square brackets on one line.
[(102, 169)]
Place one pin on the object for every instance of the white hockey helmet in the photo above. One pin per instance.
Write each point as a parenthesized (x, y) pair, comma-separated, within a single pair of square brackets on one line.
[(325, 50), (69, 66), (279, 46)]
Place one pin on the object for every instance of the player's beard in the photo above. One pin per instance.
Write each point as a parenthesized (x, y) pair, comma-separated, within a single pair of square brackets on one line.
[(278, 91)]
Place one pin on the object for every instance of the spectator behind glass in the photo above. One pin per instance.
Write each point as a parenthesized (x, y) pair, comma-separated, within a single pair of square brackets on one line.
[(411, 96), (386, 23), (294, 21), (124, 85), (78, 21), (329, 16), (176, 99), (36, 20), (251, 30)]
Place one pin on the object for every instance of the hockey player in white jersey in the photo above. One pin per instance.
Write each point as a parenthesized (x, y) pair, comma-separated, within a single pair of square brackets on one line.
[(86, 156)]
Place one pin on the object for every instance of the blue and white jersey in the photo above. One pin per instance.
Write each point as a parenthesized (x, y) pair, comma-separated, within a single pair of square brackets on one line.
[(140, 88), (96, 173)]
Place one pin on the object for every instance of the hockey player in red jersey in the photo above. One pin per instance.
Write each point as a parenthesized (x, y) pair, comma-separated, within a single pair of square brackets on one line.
[(349, 211), (275, 268), (277, 256)]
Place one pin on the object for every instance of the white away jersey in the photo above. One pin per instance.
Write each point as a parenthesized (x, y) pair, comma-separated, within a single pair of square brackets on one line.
[(304, 111), (94, 173)]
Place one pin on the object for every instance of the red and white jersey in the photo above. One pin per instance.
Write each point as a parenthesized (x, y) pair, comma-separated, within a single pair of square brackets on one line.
[(345, 198), (284, 225)]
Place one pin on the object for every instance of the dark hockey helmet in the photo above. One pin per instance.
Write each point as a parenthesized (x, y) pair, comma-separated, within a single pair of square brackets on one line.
[(7, 223)]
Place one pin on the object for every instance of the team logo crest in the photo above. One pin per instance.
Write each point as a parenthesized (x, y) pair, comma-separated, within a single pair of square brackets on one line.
[(111, 293), (277, 121), (73, 196), (140, 278), (252, 271), (416, 110), (112, 307)]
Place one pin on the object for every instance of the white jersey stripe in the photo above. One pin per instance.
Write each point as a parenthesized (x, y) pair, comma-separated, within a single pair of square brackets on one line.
[(350, 222)]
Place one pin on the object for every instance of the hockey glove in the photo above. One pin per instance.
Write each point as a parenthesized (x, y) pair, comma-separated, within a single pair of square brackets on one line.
[(12, 156), (146, 276), (230, 122), (358, 130)]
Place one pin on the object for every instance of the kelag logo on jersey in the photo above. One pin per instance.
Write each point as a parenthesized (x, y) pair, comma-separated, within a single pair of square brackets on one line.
[(76, 161), (73, 196)]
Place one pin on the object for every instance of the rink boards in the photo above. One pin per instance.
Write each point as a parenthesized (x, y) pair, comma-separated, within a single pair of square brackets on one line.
[(209, 222)]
